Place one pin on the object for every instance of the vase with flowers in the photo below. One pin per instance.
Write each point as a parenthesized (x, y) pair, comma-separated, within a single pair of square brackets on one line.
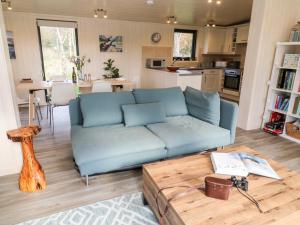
[(79, 62)]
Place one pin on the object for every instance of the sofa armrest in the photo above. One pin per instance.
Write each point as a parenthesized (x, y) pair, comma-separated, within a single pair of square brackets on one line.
[(75, 112), (229, 116)]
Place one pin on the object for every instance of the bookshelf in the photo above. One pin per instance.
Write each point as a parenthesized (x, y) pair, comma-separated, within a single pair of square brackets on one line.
[(284, 84)]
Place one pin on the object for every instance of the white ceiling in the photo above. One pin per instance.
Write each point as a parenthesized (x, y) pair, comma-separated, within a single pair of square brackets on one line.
[(190, 12)]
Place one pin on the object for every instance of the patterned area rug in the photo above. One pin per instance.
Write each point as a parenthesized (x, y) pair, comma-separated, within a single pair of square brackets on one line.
[(125, 210)]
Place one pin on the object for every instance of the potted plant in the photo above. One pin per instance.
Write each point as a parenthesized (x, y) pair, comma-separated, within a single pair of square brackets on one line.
[(112, 71)]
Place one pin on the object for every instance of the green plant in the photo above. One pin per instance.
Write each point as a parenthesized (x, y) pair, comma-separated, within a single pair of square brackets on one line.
[(113, 72)]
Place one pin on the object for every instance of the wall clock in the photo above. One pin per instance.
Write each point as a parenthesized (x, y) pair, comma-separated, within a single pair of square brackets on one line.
[(155, 37)]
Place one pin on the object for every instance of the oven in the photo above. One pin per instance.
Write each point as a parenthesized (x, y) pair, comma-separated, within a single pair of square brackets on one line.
[(232, 79)]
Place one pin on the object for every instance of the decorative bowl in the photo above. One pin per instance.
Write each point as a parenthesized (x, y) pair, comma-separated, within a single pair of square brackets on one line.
[(173, 68)]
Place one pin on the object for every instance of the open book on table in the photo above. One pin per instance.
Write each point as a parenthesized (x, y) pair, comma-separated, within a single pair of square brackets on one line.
[(241, 164)]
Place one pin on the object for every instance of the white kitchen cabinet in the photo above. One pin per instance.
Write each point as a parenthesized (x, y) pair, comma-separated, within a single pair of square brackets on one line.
[(214, 40), (211, 80), (230, 40), (152, 78), (242, 34)]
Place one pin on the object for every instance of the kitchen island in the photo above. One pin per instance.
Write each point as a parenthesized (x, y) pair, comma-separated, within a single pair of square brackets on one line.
[(163, 78)]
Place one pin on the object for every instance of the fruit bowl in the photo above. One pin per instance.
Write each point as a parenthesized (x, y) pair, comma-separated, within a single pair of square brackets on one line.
[(173, 68)]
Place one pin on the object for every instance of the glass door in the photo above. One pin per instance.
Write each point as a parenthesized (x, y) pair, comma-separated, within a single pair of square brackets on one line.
[(58, 42)]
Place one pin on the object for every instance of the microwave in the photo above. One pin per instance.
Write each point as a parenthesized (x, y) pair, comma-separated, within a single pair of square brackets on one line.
[(155, 63)]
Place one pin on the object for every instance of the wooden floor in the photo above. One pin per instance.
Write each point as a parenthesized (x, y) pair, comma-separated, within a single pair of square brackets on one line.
[(67, 190)]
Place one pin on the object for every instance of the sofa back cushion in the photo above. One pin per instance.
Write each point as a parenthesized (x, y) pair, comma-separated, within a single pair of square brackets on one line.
[(143, 114), (99, 109), (203, 105), (171, 98)]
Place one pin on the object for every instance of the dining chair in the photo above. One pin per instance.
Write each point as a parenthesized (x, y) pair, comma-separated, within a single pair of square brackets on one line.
[(37, 106), (61, 95), (101, 86)]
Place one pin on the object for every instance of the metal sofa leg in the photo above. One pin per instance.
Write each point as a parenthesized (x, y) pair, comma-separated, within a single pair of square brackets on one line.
[(87, 180)]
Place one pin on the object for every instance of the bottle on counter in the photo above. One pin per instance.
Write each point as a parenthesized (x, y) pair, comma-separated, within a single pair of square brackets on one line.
[(74, 76)]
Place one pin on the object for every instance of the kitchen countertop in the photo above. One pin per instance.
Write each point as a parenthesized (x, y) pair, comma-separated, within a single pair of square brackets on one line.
[(187, 71)]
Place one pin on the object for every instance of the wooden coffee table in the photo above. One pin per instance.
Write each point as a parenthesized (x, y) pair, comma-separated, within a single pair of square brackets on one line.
[(278, 199)]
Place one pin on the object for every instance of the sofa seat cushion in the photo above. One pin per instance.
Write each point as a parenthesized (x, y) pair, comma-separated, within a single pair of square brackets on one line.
[(187, 134), (94, 143), (172, 99)]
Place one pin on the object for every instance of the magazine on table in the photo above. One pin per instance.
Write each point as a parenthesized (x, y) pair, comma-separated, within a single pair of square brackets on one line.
[(241, 164)]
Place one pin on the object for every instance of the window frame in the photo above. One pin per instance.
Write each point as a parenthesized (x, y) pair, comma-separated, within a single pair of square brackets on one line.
[(194, 43), (40, 41)]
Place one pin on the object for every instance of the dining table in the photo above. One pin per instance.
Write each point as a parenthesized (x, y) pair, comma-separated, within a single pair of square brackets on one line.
[(83, 87)]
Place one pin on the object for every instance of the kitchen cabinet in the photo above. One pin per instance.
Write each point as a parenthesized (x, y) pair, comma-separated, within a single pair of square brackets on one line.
[(242, 34), (230, 40), (214, 40), (161, 78), (211, 80)]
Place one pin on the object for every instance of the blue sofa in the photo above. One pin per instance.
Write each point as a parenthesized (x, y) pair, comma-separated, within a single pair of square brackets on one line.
[(103, 141)]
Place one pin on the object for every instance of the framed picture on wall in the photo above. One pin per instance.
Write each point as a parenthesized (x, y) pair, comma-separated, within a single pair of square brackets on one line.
[(11, 45), (110, 43)]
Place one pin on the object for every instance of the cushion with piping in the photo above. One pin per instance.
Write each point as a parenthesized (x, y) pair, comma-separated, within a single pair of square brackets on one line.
[(143, 114), (203, 105)]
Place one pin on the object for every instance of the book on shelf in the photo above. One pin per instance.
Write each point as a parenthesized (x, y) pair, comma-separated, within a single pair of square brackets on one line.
[(286, 79), (296, 109), (241, 164), (282, 102)]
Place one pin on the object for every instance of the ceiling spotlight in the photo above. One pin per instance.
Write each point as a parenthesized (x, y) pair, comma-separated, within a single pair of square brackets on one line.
[(97, 11), (218, 2), (211, 23), (209, 1), (150, 2), (9, 7), (105, 15), (96, 14), (172, 19)]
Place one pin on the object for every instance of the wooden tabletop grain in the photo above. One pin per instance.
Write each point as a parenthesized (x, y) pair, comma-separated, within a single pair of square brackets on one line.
[(278, 199)]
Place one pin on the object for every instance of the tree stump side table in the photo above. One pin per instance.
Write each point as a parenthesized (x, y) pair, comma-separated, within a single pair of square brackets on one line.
[(32, 177)]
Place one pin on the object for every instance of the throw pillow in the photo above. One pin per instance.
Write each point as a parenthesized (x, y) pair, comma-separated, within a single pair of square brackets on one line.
[(143, 114), (203, 105)]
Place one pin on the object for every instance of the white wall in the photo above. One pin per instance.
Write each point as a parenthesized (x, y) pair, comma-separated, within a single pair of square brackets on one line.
[(271, 22), (10, 153), (135, 35)]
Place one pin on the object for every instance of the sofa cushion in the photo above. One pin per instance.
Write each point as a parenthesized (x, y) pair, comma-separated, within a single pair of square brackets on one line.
[(172, 99), (143, 114), (104, 108), (186, 134), (128, 161), (203, 105), (95, 143)]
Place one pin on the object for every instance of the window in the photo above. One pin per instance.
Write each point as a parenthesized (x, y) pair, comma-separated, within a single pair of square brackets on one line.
[(184, 44), (58, 42)]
